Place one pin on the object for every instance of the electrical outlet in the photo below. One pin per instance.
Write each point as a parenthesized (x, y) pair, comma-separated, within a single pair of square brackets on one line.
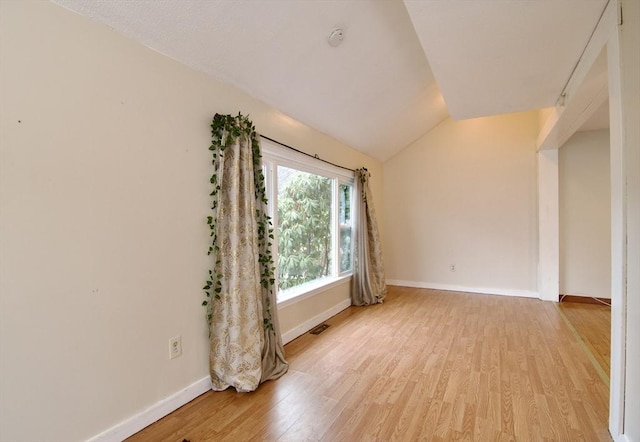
[(175, 347), (452, 267)]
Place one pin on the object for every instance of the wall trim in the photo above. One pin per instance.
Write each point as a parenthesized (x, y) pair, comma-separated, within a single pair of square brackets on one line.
[(460, 288), (316, 320), (155, 412)]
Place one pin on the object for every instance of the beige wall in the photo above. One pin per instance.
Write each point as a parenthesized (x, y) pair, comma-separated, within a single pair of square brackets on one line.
[(585, 215), (103, 184), (465, 194)]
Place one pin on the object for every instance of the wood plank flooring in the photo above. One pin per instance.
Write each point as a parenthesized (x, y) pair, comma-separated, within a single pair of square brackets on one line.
[(425, 365), (592, 322)]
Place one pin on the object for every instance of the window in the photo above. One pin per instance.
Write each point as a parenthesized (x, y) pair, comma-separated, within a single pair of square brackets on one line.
[(346, 247), (310, 207)]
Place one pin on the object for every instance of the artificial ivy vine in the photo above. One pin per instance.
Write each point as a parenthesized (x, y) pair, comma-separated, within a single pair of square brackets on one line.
[(225, 130)]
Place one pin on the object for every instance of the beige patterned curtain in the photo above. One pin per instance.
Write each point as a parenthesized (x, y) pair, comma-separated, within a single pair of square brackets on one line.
[(245, 343), (368, 284)]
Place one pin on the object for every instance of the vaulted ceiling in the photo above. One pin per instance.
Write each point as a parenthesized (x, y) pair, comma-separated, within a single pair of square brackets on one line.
[(402, 68)]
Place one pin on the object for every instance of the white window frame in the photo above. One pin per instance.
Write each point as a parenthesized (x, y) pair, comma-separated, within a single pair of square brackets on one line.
[(274, 155)]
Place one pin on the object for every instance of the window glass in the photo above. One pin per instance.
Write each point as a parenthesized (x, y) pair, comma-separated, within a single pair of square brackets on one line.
[(310, 204), (345, 191), (304, 227)]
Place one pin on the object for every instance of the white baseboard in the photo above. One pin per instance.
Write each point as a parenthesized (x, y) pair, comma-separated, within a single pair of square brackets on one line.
[(316, 320), (155, 412), (459, 288)]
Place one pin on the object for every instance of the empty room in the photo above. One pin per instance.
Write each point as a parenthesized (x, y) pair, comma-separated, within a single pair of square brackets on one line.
[(291, 220)]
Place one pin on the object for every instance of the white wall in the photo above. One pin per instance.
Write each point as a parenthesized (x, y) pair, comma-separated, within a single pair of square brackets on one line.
[(465, 194), (630, 94), (104, 188), (585, 215)]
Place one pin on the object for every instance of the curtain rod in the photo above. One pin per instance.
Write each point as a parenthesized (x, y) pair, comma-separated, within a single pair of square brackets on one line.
[(308, 154)]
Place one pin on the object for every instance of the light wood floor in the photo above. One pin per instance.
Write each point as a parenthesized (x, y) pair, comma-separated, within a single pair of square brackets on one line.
[(425, 365), (592, 322)]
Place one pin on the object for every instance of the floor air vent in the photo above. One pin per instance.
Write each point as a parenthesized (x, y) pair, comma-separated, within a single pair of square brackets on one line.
[(319, 329)]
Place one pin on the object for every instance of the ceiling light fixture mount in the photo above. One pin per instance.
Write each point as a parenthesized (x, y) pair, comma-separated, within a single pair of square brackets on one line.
[(336, 37)]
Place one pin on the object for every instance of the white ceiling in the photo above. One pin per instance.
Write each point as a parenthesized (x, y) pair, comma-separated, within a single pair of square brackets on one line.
[(375, 92), (501, 56)]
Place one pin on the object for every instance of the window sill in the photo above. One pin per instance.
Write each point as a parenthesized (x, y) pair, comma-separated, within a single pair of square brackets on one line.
[(304, 291)]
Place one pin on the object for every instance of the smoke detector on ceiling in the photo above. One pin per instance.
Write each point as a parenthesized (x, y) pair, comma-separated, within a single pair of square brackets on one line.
[(336, 37)]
